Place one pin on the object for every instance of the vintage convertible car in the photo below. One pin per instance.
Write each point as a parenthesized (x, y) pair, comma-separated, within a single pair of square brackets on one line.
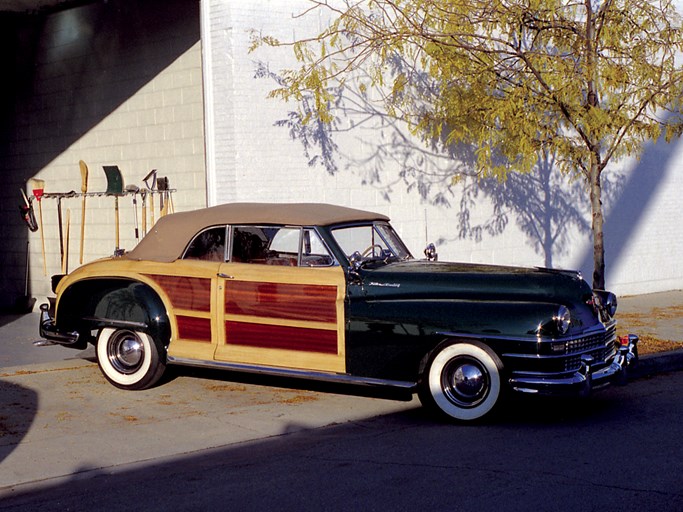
[(331, 293)]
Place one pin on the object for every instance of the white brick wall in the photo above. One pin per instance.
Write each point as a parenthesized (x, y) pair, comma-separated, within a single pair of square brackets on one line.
[(252, 160), (160, 124)]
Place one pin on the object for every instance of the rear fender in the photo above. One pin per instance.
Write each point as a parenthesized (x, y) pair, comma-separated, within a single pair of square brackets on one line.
[(93, 304)]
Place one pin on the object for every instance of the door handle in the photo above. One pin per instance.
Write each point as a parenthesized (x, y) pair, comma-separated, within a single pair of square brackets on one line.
[(225, 276)]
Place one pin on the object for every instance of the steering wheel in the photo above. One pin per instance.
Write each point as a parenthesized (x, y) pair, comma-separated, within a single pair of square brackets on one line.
[(367, 251)]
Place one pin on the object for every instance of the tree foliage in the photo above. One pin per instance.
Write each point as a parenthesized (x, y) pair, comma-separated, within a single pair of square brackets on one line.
[(588, 81)]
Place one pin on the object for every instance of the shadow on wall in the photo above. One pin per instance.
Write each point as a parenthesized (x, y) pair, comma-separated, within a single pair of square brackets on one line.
[(68, 71), (545, 205), (628, 208)]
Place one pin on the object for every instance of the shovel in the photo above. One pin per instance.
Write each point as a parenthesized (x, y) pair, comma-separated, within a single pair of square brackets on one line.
[(115, 188)]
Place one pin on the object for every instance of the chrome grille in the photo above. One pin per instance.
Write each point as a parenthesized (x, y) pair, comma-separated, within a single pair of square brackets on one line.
[(600, 346)]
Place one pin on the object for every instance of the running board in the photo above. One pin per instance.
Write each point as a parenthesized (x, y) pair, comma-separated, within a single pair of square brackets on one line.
[(339, 378)]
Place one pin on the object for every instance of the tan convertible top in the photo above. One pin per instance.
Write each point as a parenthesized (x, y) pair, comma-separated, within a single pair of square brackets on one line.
[(171, 234)]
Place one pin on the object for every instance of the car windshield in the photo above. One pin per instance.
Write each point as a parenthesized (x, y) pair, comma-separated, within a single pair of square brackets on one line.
[(371, 241)]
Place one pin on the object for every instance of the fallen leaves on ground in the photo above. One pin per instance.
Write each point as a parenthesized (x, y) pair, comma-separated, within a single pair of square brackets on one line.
[(644, 324)]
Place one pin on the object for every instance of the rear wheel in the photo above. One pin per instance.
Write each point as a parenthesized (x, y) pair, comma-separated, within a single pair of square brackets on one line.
[(462, 381), (130, 359)]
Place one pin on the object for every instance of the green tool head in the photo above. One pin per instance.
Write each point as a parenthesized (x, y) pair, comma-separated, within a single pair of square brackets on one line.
[(114, 179)]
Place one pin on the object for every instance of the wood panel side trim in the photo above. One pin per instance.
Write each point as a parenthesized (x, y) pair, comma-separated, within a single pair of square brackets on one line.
[(281, 337), (276, 321), (310, 302), (194, 328), (192, 293)]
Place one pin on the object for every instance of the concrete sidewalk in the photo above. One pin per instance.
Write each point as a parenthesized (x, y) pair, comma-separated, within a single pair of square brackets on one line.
[(658, 319), (17, 334)]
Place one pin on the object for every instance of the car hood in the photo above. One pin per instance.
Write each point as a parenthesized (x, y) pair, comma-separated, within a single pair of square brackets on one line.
[(435, 280)]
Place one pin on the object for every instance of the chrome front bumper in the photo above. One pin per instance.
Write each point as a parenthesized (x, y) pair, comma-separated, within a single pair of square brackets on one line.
[(50, 332), (591, 376)]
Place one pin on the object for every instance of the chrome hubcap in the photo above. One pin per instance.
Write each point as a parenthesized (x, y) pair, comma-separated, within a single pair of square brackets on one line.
[(465, 382), (125, 352)]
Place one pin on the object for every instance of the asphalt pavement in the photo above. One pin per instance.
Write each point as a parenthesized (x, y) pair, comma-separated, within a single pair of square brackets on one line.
[(60, 421)]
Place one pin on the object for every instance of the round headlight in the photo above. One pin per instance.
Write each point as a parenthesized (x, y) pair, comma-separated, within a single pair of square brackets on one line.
[(606, 303), (610, 304), (563, 320)]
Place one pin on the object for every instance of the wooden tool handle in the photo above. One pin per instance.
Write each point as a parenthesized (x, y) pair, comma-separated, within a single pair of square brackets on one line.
[(42, 235), (116, 213), (65, 246), (84, 189)]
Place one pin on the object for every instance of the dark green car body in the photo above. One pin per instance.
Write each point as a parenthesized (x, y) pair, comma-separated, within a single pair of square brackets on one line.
[(398, 309)]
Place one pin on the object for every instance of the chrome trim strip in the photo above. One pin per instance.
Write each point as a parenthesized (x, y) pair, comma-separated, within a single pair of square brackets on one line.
[(106, 322), (291, 372), (597, 329), (553, 357)]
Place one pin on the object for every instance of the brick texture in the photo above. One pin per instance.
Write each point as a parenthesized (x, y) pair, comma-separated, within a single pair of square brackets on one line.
[(256, 160), (114, 83)]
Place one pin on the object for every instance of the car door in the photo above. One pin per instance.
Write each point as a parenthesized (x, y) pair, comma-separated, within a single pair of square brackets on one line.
[(190, 286), (282, 300)]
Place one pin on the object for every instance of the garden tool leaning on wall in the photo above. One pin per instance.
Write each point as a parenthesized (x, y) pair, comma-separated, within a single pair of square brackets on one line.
[(27, 212), (84, 191), (114, 188), (135, 190), (151, 176), (38, 189)]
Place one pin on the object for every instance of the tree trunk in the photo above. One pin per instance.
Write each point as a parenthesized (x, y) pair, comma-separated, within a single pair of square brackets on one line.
[(597, 227)]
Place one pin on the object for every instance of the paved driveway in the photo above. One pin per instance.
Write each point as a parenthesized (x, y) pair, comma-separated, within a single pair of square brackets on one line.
[(59, 419), (198, 443)]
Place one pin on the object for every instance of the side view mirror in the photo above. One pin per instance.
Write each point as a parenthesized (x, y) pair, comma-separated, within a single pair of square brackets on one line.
[(430, 252)]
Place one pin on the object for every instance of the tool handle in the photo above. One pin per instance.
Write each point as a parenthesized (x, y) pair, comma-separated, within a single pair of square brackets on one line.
[(82, 229), (116, 212), (42, 235), (65, 244)]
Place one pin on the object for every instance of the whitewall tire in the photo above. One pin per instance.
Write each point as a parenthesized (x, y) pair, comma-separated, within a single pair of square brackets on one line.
[(462, 381), (129, 359)]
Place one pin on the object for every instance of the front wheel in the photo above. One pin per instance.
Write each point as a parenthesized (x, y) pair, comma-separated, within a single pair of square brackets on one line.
[(462, 380), (129, 359)]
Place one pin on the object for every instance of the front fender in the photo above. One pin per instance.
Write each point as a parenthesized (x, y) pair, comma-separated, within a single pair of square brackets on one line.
[(390, 337)]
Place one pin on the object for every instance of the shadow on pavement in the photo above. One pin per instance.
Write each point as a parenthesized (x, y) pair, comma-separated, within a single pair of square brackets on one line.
[(173, 372), (560, 454), (18, 409), (8, 318)]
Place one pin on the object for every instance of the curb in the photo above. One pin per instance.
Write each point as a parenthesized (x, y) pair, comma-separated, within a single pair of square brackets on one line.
[(653, 364)]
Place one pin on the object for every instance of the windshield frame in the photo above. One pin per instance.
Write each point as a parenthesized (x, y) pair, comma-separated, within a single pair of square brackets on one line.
[(382, 232)]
